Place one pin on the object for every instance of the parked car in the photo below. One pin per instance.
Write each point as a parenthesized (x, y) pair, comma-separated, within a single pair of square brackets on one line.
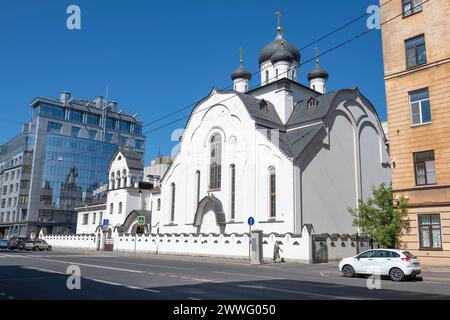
[(397, 264), (17, 243), (37, 244), (4, 244)]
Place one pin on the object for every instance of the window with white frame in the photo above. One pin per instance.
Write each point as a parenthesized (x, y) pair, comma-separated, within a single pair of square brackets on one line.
[(430, 231), (85, 218), (420, 107)]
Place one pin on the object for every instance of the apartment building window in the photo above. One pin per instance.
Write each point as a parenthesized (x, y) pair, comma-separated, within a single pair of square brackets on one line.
[(430, 231), (9, 202), (416, 53), (3, 203), (54, 127), (76, 116), (75, 132), (85, 218), (411, 6), (24, 184), (419, 101), (94, 217), (23, 199), (11, 188), (93, 119), (5, 190), (425, 168), (92, 134)]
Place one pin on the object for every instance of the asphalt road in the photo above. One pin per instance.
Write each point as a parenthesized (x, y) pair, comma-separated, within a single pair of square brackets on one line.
[(43, 275)]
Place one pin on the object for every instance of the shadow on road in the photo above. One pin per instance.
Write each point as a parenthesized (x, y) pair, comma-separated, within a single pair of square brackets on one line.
[(23, 283)]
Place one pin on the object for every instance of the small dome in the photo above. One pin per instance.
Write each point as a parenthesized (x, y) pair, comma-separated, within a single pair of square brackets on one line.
[(241, 73), (282, 55), (317, 72), (268, 51)]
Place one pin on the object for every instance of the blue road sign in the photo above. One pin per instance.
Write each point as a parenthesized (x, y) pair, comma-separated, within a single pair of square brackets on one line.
[(251, 221), (105, 222)]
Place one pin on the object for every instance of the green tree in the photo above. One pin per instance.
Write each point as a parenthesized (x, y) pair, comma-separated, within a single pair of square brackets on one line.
[(378, 218)]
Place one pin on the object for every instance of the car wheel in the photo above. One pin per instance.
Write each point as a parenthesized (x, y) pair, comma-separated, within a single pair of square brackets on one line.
[(49, 248), (348, 271), (396, 274), (35, 248)]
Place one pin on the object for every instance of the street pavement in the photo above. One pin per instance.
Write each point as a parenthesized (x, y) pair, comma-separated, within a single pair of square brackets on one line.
[(108, 275)]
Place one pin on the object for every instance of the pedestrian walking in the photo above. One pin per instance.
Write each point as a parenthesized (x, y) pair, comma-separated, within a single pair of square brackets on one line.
[(276, 251)]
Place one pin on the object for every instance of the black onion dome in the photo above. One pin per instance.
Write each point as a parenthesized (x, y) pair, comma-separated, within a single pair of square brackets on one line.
[(282, 54), (241, 73), (268, 51), (317, 72)]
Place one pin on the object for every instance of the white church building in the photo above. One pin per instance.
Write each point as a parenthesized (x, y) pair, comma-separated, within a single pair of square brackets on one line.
[(291, 156), (284, 153)]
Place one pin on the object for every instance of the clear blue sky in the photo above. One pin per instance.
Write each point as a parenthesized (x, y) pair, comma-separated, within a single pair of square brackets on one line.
[(158, 56)]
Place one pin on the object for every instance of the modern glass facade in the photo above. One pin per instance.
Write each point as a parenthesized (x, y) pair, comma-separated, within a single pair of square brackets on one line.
[(64, 157)]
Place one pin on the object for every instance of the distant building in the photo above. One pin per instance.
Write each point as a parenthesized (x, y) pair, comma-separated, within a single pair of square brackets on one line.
[(59, 160), (157, 169), (416, 52)]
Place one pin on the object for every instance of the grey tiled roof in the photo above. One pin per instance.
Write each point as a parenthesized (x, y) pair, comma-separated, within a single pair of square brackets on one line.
[(260, 109), (302, 113)]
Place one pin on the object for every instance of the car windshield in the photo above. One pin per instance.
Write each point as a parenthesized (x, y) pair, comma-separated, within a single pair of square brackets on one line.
[(409, 255)]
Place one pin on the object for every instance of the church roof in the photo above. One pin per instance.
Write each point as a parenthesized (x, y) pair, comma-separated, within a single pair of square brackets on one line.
[(267, 52), (260, 109), (303, 113), (131, 157), (294, 142)]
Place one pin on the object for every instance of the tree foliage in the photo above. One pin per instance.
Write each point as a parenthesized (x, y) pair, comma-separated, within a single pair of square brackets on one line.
[(378, 218)]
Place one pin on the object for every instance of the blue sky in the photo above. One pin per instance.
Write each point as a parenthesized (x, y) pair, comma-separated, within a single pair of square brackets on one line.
[(158, 56)]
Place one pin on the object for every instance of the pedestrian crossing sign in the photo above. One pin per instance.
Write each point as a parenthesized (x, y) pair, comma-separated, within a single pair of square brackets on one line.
[(141, 220)]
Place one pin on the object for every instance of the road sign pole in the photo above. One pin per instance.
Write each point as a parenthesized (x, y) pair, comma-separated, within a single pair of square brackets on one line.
[(250, 244)]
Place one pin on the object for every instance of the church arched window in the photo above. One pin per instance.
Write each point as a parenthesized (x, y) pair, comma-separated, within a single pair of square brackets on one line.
[(118, 185), (111, 208), (272, 193), (172, 202), (124, 178), (267, 76), (215, 163), (120, 207), (197, 183), (232, 192), (158, 204)]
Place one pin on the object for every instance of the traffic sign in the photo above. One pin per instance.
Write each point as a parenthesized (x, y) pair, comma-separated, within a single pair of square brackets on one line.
[(105, 222), (251, 221), (141, 220)]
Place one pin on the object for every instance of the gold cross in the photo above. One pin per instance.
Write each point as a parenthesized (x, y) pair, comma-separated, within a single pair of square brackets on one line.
[(278, 14), (241, 54), (317, 55)]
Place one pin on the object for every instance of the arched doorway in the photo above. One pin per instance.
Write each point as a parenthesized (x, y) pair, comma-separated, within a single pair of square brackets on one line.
[(209, 217)]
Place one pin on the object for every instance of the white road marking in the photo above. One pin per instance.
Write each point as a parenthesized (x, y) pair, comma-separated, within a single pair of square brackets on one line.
[(2, 294), (143, 264), (299, 292), (247, 275), (121, 285), (192, 298), (10, 298), (45, 270)]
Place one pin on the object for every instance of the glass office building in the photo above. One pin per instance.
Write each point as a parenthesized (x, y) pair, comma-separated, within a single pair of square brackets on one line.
[(59, 160)]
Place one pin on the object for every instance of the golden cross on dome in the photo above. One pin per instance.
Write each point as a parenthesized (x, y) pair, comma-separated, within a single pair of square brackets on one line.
[(317, 55), (278, 14)]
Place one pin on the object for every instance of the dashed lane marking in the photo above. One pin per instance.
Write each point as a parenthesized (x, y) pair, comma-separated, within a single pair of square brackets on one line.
[(248, 275), (319, 295)]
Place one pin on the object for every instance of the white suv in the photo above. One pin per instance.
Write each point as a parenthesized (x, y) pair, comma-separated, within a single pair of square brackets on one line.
[(397, 264)]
